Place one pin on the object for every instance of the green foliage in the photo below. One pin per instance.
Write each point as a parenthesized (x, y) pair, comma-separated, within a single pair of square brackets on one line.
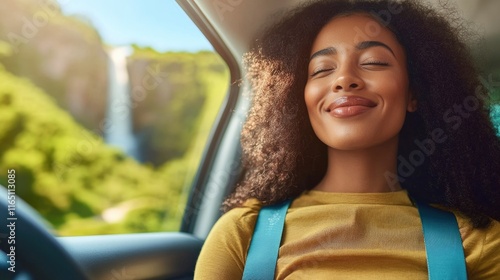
[(5, 49), (80, 185), (63, 167)]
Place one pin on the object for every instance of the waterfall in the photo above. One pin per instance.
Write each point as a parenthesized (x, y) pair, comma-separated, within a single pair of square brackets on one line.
[(118, 126)]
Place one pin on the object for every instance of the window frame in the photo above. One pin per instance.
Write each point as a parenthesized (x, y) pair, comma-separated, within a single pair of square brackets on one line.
[(217, 135)]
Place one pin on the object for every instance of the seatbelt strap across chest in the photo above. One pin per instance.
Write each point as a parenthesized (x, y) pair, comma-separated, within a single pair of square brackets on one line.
[(264, 246), (443, 243)]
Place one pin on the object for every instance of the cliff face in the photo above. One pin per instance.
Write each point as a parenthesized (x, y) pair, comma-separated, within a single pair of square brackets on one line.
[(60, 54), (66, 57), (169, 92)]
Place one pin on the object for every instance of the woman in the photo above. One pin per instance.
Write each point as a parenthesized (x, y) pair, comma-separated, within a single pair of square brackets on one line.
[(358, 106)]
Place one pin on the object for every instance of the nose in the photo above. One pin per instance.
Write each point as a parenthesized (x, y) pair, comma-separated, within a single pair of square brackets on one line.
[(347, 81)]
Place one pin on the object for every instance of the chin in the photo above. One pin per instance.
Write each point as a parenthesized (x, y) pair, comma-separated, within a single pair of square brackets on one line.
[(359, 142), (349, 145)]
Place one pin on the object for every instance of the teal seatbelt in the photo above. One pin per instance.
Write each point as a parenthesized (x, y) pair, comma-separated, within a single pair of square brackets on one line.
[(264, 246), (443, 244)]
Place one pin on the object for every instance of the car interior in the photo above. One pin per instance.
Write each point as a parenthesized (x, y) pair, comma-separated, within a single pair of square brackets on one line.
[(231, 27)]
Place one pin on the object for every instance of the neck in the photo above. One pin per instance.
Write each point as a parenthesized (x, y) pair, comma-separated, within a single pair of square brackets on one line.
[(359, 171)]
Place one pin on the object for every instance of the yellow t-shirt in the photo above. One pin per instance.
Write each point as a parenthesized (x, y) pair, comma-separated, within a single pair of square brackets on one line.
[(344, 236)]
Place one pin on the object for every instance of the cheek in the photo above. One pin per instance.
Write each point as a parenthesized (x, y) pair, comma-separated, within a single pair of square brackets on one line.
[(401, 95), (312, 96), (396, 97), (394, 90)]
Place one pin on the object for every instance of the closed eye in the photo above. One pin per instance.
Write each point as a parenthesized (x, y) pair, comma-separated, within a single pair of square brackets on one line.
[(378, 63), (321, 71)]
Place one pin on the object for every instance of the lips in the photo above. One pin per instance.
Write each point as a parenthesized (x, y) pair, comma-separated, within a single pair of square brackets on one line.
[(348, 106)]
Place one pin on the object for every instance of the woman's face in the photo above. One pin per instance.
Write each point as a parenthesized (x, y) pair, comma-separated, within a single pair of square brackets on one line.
[(357, 91)]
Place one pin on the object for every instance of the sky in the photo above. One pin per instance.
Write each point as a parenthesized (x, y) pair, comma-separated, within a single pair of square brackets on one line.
[(160, 24)]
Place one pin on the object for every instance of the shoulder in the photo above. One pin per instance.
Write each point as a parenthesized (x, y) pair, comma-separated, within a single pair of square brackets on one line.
[(481, 247), (236, 226), (224, 252), (241, 218)]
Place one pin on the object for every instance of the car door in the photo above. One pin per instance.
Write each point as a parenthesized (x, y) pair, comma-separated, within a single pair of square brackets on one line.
[(154, 255)]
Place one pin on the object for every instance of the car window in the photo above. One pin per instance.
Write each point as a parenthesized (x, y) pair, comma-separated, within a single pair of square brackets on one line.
[(106, 109)]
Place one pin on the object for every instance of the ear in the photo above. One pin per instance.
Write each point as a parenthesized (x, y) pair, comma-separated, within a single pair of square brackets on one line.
[(412, 103)]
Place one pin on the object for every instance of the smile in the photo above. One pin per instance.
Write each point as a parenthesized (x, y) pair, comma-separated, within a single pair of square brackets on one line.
[(349, 106)]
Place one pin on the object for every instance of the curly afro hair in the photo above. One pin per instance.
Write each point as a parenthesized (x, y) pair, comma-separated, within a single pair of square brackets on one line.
[(282, 157)]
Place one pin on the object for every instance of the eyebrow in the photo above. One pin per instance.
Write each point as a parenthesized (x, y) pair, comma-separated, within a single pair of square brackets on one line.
[(360, 46)]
